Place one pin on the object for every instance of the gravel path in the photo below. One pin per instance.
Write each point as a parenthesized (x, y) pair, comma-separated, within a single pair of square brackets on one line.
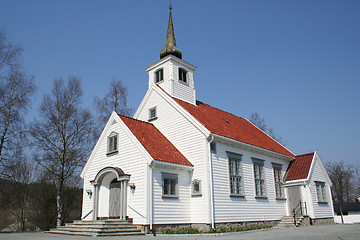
[(329, 232)]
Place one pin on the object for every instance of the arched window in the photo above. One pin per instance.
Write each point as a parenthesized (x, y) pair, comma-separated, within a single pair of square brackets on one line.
[(159, 75), (182, 75)]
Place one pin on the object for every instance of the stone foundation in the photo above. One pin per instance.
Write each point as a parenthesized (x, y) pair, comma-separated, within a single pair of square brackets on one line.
[(203, 227), (322, 221), (229, 226)]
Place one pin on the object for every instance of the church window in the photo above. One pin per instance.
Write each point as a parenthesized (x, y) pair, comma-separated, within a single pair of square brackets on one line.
[(159, 75), (320, 190), (182, 75), (112, 143), (259, 177), (170, 185), (152, 114), (196, 188), (279, 189), (235, 175)]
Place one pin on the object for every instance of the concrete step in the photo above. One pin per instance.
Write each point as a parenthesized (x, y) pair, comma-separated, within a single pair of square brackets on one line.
[(122, 225), (288, 221), (95, 234), (98, 228)]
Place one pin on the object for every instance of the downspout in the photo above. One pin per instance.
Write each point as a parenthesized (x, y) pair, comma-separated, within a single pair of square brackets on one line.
[(151, 196), (212, 214)]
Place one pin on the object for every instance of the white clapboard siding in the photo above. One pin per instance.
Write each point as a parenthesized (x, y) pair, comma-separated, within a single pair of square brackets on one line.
[(247, 208), (132, 162), (189, 141), (185, 92), (320, 210), (165, 84), (171, 210), (171, 83)]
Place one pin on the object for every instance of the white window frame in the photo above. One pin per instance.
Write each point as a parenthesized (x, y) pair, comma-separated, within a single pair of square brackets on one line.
[(321, 192), (236, 181), (112, 143), (195, 192), (259, 178), (170, 188), (152, 113), (183, 73), (159, 75), (278, 184)]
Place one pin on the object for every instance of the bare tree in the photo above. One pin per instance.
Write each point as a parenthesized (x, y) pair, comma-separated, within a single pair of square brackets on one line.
[(10, 54), (115, 100), (64, 136), (259, 121), (15, 92), (343, 181)]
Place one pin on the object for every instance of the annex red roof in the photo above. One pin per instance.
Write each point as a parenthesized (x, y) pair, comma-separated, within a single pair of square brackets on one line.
[(231, 126), (300, 167), (155, 143)]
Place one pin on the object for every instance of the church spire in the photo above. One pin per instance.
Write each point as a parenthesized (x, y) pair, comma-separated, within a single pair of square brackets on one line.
[(170, 45)]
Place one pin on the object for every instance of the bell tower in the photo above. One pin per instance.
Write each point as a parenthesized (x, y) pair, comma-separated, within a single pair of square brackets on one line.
[(171, 73)]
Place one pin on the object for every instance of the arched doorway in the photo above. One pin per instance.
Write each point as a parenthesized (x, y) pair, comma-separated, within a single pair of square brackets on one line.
[(110, 194)]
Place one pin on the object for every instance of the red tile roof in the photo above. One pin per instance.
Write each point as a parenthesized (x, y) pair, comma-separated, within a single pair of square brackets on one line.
[(300, 167), (155, 143), (231, 126)]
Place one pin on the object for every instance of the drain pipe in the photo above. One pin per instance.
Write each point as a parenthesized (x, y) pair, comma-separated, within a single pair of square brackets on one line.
[(152, 164), (211, 183)]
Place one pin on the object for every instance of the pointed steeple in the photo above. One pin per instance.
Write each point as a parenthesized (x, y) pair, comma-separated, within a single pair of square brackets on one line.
[(170, 45)]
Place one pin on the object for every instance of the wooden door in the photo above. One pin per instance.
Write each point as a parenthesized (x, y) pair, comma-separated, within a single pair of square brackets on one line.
[(294, 198), (114, 200)]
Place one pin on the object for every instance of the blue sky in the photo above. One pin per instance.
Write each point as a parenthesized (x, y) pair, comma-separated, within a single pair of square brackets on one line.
[(297, 63)]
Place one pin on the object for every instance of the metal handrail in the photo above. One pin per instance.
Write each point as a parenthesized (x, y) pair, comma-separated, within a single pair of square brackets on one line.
[(296, 210), (299, 208), (87, 214)]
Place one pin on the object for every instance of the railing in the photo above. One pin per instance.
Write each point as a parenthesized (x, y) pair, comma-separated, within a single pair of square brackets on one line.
[(299, 209), (136, 212), (87, 214)]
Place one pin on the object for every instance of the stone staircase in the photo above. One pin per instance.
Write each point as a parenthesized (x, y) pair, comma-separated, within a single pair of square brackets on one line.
[(288, 221), (98, 228)]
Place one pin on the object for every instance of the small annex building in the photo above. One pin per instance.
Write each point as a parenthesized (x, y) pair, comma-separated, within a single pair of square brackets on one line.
[(182, 161), (347, 213)]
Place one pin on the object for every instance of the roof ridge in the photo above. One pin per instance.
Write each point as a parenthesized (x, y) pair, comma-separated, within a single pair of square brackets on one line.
[(305, 154)]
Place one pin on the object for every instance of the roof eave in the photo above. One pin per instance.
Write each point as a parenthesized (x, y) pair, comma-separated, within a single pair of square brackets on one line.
[(254, 148), (170, 164), (168, 58), (295, 182)]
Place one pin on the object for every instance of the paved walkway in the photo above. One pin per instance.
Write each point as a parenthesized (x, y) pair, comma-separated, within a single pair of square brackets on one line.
[(330, 232)]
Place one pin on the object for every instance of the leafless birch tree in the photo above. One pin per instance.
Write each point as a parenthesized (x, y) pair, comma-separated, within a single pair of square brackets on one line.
[(64, 135), (15, 92), (115, 100), (344, 182), (259, 121)]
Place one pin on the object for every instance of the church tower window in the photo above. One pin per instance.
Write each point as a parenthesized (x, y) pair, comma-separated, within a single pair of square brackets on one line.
[(159, 75), (182, 75)]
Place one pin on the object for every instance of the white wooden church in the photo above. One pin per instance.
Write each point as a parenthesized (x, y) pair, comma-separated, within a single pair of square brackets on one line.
[(181, 161)]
